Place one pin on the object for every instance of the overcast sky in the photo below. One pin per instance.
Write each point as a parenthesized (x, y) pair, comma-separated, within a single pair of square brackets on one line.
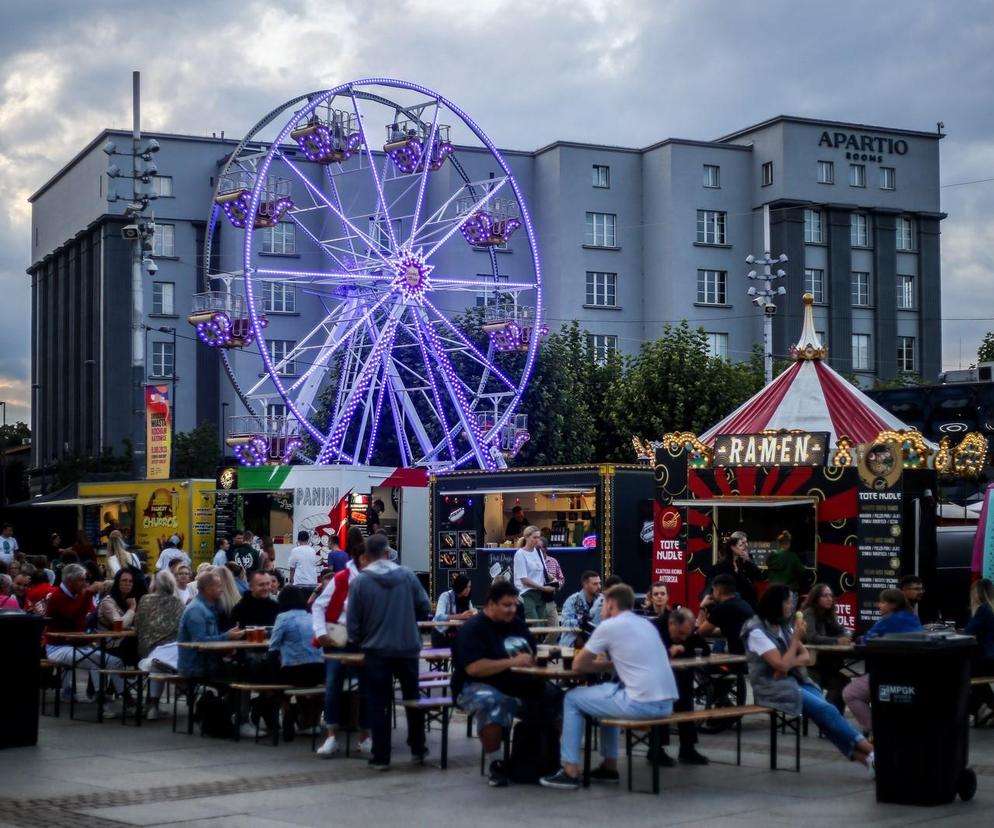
[(627, 73)]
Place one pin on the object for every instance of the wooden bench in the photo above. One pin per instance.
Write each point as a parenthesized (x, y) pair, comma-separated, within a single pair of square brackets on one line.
[(435, 710), (655, 728), (188, 686), (277, 691), (56, 679), (425, 687), (133, 680), (434, 674)]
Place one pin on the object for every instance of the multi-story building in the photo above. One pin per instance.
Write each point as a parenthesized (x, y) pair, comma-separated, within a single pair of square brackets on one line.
[(630, 239)]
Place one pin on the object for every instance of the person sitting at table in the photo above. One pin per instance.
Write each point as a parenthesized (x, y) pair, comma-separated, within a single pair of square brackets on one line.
[(823, 627), (199, 623), (301, 663), (484, 652), (723, 613), (582, 610), (330, 607), (7, 599), (734, 560), (186, 589), (530, 576), (647, 689), (386, 601), (22, 582), (240, 579), (896, 616), (453, 605), (231, 594), (118, 606), (67, 608), (981, 626), (40, 588), (157, 626), (914, 590), (256, 608), (682, 641), (777, 658), (657, 602)]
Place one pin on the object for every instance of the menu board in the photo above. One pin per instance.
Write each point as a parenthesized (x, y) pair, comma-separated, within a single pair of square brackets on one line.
[(878, 529), (225, 515)]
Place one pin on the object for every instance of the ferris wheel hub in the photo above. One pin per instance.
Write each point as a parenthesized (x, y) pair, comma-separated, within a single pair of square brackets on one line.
[(413, 274)]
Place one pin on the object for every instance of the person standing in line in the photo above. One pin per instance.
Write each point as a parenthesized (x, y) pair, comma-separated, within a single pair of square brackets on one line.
[(244, 553), (735, 561), (221, 556), (119, 556), (8, 544), (305, 562), (171, 551), (529, 574), (386, 602), (337, 558), (783, 566), (554, 578)]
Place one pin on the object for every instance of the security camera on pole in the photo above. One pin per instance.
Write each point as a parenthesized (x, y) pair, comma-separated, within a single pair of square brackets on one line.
[(763, 297), (140, 231)]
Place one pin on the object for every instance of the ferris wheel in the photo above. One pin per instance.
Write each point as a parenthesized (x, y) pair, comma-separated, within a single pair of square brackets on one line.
[(400, 209)]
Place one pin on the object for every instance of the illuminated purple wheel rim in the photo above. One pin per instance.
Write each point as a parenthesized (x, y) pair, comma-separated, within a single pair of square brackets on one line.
[(397, 178)]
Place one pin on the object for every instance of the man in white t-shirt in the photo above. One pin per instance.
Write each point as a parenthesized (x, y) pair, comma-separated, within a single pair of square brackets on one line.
[(8, 544), (171, 552), (306, 561), (647, 690)]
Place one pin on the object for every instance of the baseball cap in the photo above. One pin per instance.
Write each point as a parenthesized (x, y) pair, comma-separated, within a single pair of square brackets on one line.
[(175, 539)]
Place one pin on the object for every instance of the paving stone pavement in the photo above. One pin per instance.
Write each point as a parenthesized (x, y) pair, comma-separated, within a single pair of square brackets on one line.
[(82, 774)]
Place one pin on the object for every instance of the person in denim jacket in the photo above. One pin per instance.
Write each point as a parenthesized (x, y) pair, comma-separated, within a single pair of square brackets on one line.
[(200, 623)]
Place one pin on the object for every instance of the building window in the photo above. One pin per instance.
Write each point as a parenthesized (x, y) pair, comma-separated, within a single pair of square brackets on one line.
[(278, 350), (281, 238), (710, 227), (860, 288), (278, 297), (605, 346), (905, 354), (276, 411), (888, 178), (826, 172), (602, 176), (767, 173), (602, 289), (813, 227), (905, 234), (712, 176), (162, 185), (601, 230), (857, 175), (163, 359), (859, 234), (905, 291), (717, 345), (164, 240), (162, 298), (814, 283), (861, 352), (711, 287)]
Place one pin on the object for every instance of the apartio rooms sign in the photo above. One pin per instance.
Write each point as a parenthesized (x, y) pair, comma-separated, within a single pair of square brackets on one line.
[(861, 147)]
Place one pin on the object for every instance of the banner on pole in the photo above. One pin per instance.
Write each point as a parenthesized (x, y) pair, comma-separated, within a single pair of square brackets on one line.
[(983, 543), (158, 432)]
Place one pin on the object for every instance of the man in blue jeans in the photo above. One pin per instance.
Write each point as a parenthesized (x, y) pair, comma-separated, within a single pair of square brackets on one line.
[(385, 603), (647, 690)]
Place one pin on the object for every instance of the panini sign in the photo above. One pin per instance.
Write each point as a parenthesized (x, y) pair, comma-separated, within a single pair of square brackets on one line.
[(788, 448)]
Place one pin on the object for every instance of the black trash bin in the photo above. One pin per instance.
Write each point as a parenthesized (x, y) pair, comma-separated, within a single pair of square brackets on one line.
[(20, 647), (920, 693)]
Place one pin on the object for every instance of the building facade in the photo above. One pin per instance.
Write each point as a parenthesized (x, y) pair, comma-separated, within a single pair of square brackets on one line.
[(630, 240)]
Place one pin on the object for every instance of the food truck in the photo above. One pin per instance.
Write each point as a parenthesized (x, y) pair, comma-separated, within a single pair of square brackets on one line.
[(280, 501), (596, 517)]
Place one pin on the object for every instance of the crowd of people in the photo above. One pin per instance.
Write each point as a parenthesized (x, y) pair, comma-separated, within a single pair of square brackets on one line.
[(361, 600)]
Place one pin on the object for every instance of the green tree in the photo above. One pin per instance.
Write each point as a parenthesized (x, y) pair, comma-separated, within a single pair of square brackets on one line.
[(905, 379), (985, 353), (73, 467), (195, 453)]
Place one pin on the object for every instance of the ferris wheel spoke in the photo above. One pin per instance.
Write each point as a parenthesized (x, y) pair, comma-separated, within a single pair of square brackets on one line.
[(333, 186), (479, 285), (437, 224), (479, 204), (372, 245), (423, 183), (299, 224), (471, 349), (372, 170), (439, 408)]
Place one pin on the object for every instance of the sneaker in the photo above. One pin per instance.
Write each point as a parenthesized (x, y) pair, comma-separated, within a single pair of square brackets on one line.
[(372, 764), (112, 710), (498, 775), (153, 713), (663, 759), (692, 757), (365, 746), (80, 698), (871, 765), (328, 748), (561, 781), (247, 730), (607, 775)]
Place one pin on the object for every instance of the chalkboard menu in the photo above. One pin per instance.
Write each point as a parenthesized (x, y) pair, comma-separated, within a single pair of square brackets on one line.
[(225, 515), (878, 529)]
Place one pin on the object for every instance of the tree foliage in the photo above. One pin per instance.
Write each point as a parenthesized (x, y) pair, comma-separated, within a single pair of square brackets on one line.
[(195, 453), (985, 353)]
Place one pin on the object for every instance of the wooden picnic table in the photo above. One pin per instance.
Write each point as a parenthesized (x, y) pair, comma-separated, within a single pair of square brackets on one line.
[(429, 625), (554, 630), (349, 659), (715, 660), (553, 672), (844, 649), (96, 637), (80, 640), (224, 646)]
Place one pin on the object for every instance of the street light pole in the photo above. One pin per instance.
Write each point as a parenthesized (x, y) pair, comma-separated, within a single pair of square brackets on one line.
[(764, 297), (3, 457)]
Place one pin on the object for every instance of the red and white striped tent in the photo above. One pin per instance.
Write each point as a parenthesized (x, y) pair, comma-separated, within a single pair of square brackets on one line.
[(809, 396)]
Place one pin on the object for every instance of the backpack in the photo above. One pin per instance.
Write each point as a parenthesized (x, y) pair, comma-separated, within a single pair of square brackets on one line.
[(214, 716), (534, 752)]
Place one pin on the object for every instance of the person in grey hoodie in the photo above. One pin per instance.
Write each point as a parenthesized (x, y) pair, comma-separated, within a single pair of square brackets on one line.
[(386, 601)]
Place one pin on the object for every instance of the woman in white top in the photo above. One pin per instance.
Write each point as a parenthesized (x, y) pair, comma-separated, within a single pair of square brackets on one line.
[(186, 587), (529, 574), (118, 555)]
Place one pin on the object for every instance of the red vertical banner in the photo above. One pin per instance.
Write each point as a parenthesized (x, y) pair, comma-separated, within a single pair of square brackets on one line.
[(158, 432), (669, 551)]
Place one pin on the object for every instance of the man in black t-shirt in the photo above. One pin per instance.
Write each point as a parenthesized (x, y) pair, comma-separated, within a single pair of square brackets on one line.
[(486, 648), (723, 612), (244, 554)]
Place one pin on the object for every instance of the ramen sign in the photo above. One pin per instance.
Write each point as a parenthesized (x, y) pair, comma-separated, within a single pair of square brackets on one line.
[(781, 448)]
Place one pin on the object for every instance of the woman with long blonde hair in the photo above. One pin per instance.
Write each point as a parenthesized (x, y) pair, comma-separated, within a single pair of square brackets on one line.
[(230, 596), (530, 576), (119, 556)]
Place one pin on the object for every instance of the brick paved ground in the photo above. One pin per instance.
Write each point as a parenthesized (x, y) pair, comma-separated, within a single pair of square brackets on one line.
[(82, 774)]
